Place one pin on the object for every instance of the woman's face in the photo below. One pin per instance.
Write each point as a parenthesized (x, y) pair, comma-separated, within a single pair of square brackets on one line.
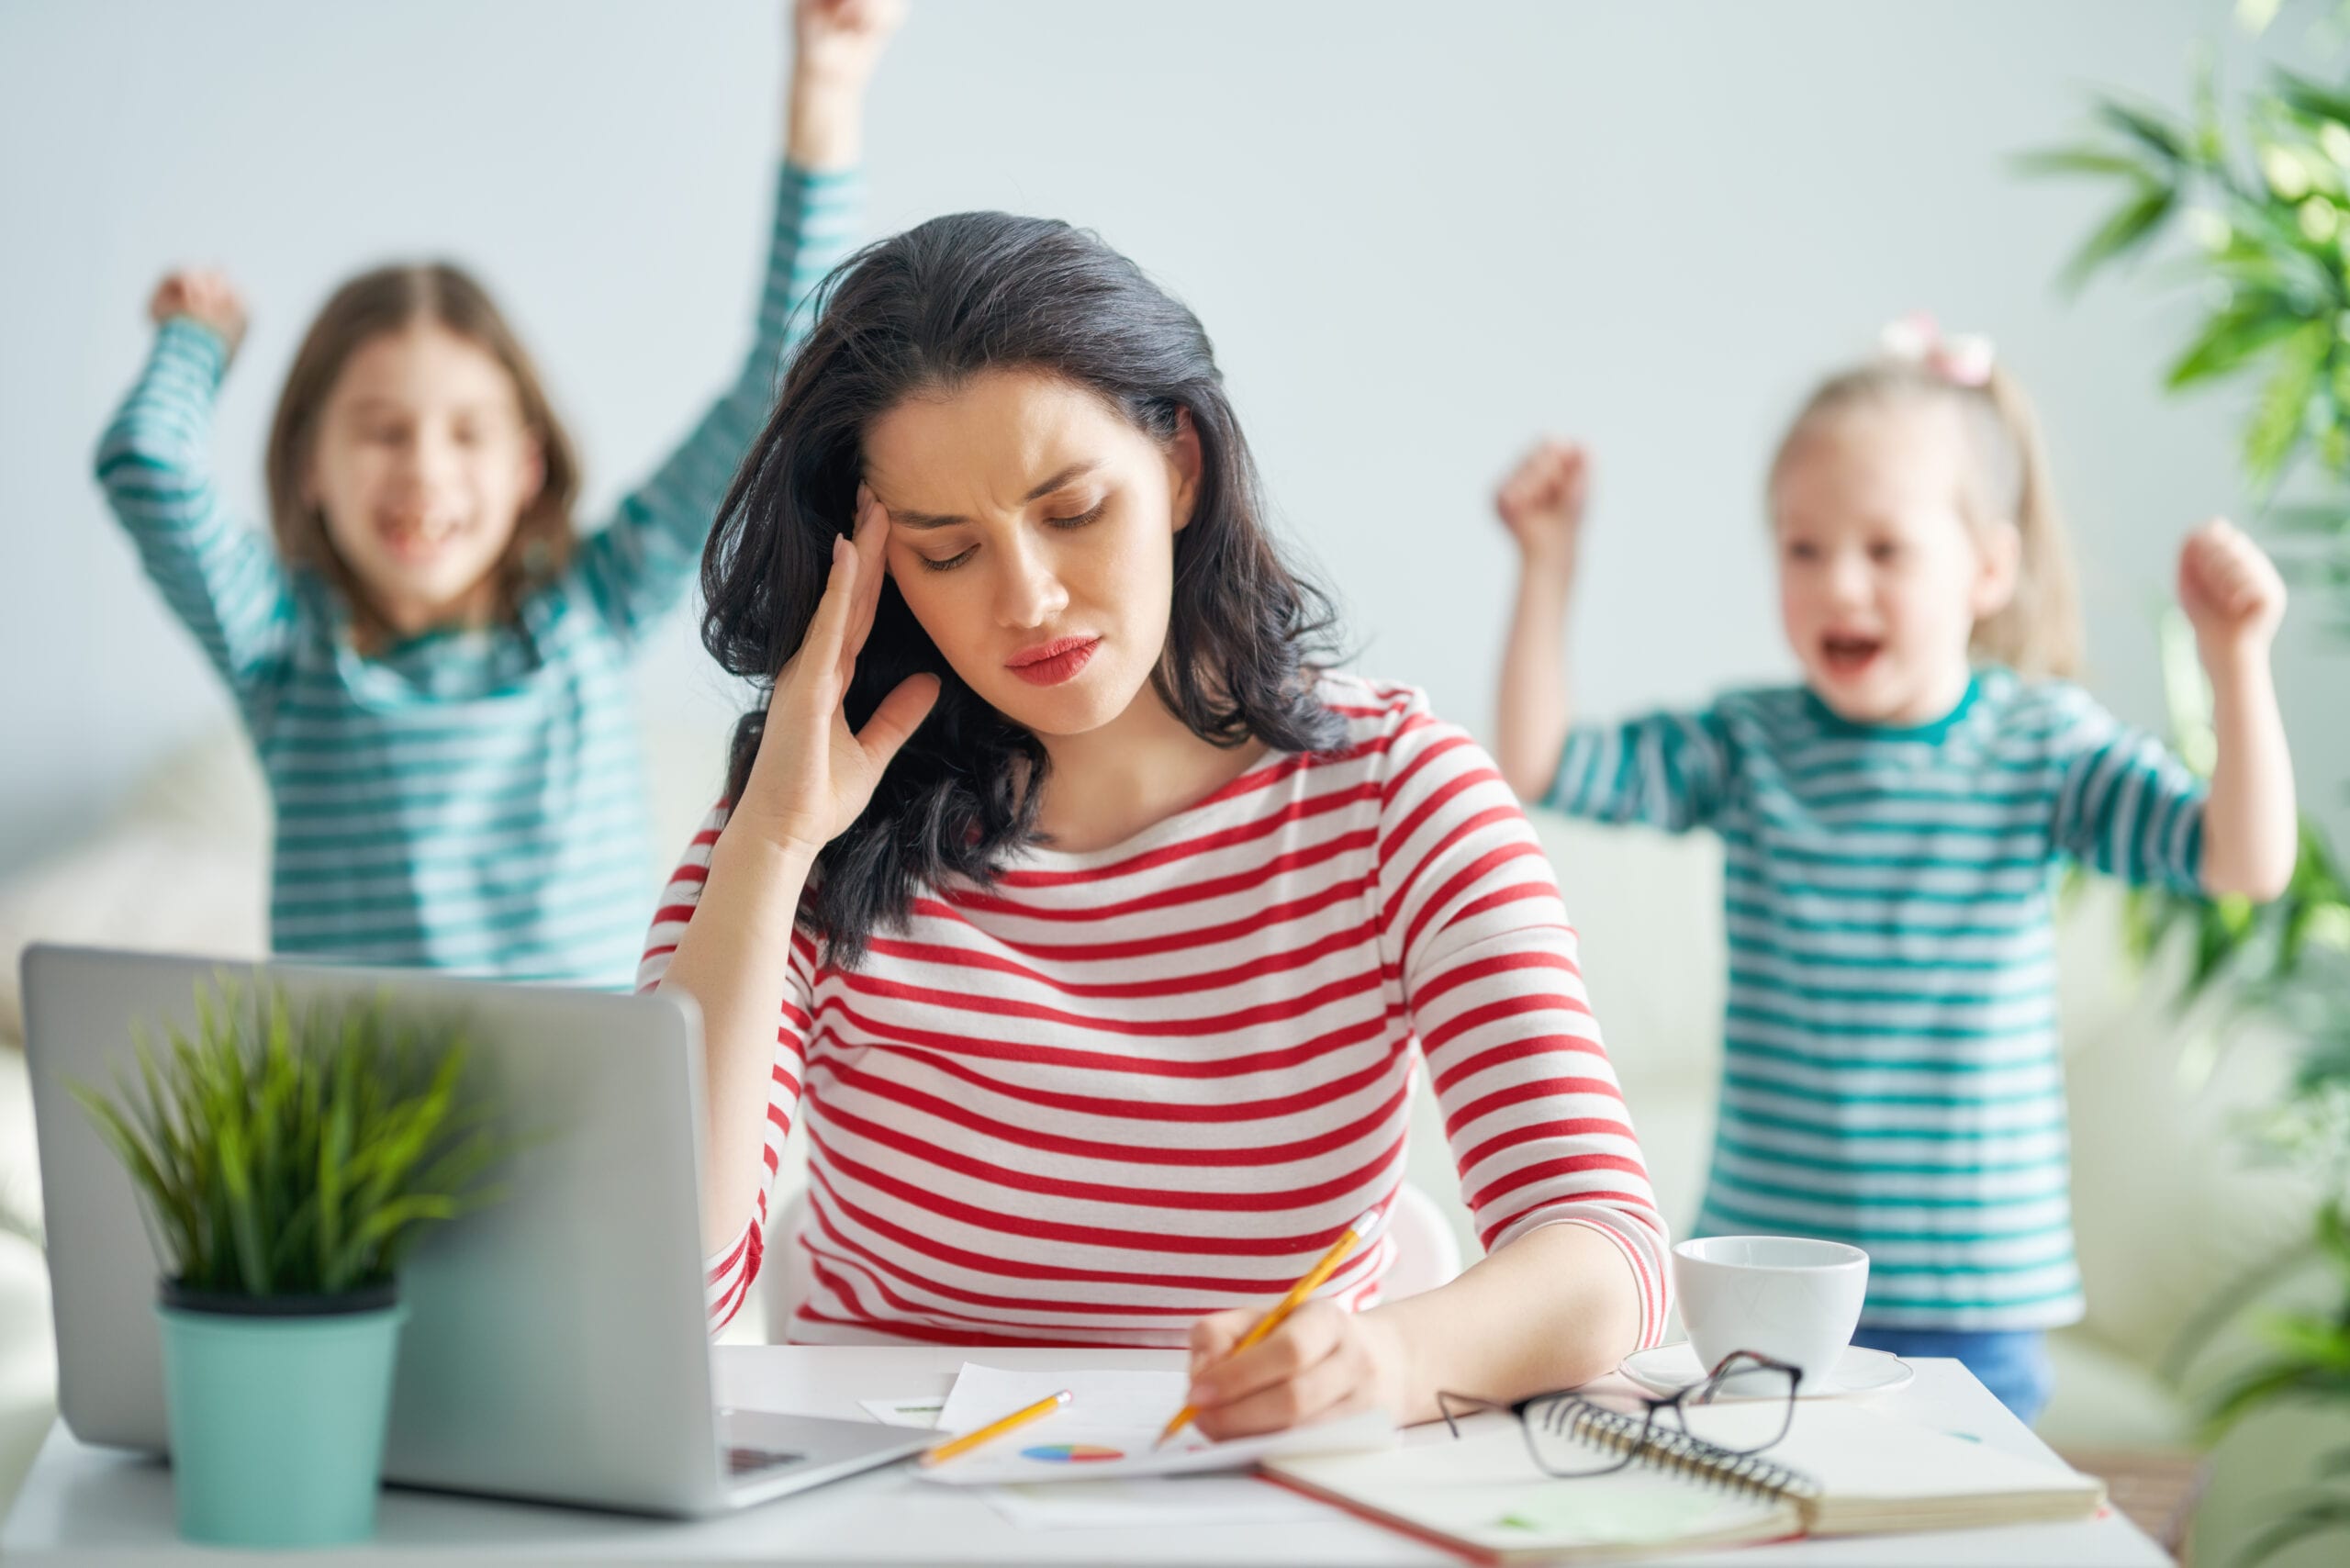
[(1032, 533)]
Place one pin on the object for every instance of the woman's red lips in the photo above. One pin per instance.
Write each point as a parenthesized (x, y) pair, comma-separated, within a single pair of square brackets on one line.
[(1049, 664)]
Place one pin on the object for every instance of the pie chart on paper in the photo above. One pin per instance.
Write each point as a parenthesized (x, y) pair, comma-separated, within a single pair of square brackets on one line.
[(1071, 1453)]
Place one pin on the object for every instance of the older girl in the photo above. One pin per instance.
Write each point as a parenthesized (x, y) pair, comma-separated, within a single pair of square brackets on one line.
[(433, 671)]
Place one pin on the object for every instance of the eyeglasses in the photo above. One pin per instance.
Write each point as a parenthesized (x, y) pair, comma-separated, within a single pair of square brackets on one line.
[(1574, 1434)]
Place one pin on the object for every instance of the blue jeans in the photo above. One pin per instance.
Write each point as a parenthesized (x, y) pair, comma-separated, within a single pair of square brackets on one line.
[(2013, 1365)]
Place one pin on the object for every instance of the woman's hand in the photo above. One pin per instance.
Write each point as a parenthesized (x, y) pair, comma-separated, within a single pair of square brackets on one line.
[(204, 297), (1322, 1362), (813, 775)]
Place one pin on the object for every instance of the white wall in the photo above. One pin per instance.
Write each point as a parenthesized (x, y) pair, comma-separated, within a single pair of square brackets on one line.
[(1418, 238)]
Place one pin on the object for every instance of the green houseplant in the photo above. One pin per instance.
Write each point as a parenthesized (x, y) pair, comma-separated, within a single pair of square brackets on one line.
[(285, 1161), (2263, 198)]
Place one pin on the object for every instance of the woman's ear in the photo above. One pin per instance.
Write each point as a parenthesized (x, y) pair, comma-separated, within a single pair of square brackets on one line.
[(1999, 562), (1184, 461)]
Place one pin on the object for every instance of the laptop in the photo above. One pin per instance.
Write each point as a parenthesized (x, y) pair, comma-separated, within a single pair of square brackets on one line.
[(556, 1346)]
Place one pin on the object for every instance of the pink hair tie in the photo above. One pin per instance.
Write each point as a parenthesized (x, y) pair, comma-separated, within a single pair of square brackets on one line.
[(1963, 360)]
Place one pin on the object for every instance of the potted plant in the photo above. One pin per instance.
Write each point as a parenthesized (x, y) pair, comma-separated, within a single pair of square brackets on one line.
[(2265, 203), (284, 1162)]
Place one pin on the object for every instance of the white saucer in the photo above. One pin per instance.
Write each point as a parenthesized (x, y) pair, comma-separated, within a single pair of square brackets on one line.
[(1668, 1369)]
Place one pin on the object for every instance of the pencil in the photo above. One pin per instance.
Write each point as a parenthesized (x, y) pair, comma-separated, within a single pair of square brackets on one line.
[(1348, 1239), (994, 1429)]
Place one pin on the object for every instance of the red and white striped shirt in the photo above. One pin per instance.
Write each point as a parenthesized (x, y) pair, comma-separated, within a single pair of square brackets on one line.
[(1123, 1089)]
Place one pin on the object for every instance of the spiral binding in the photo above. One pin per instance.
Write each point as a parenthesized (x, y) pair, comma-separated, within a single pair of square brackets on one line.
[(1746, 1474)]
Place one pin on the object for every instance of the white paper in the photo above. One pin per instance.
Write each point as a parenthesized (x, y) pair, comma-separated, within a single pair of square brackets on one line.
[(1109, 1428), (915, 1410)]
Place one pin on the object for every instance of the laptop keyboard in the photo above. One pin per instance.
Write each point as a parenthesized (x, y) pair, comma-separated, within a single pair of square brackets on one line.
[(741, 1461)]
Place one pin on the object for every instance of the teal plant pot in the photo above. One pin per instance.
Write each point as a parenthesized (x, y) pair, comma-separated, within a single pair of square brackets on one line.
[(277, 1410)]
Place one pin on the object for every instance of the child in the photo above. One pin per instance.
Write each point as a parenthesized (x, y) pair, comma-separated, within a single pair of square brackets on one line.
[(1891, 1076), (434, 669)]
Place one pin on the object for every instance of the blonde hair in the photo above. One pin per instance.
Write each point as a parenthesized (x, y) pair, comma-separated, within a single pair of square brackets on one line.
[(390, 299), (2039, 631)]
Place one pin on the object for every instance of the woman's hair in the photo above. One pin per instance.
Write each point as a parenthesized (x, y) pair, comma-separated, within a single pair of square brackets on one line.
[(391, 300), (2039, 632), (921, 314)]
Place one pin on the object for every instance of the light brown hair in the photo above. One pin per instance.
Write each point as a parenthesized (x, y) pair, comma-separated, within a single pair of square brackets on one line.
[(2039, 632), (390, 299)]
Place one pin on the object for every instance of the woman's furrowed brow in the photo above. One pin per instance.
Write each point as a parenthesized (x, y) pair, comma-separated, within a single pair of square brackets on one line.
[(922, 520)]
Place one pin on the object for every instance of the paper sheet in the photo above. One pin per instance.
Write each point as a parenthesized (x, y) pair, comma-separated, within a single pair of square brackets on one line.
[(913, 1410), (1108, 1430)]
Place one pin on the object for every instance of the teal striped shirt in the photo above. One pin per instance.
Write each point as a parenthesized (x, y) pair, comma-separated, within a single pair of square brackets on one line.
[(1890, 1073), (466, 800)]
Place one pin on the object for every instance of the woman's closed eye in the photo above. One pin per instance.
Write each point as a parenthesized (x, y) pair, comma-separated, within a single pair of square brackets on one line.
[(1066, 524), (1092, 514)]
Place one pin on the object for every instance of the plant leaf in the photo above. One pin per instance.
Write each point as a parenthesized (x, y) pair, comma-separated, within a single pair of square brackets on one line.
[(2130, 226), (2086, 160), (2280, 415), (2149, 127), (2230, 340)]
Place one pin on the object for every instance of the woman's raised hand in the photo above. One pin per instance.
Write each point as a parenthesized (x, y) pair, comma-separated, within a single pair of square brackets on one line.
[(813, 775)]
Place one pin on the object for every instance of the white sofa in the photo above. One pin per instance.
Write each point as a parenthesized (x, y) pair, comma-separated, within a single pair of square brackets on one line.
[(2169, 1207)]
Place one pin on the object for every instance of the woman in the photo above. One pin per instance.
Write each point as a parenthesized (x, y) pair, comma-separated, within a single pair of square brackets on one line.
[(1104, 926)]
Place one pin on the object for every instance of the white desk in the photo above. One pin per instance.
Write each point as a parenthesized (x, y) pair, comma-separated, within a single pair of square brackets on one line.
[(87, 1506)]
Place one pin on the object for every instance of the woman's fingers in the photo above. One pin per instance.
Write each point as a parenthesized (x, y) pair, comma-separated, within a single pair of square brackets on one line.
[(824, 646), (894, 723), (871, 540), (1298, 1373), (1214, 1336), (1307, 1336), (1329, 1388)]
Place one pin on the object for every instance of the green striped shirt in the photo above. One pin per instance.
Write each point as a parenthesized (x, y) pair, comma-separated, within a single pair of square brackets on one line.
[(1890, 1074), (467, 800)]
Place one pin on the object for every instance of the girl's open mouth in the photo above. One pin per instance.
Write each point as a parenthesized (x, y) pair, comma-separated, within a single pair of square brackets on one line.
[(1848, 656)]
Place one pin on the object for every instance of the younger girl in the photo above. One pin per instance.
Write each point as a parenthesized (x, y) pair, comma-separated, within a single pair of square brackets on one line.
[(433, 671), (1891, 1076)]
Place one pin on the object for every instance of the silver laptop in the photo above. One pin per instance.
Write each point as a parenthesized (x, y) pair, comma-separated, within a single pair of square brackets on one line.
[(556, 1346)]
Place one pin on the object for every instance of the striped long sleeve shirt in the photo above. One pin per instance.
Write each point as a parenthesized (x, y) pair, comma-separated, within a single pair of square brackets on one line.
[(473, 801), (1891, 1076), (1119, 1089)]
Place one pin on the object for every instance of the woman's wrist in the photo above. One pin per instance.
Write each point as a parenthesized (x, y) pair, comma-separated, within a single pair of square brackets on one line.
[(1407, 1388), (763, 870)]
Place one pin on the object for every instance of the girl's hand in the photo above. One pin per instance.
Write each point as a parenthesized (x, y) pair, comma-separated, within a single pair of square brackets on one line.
[(836, 42), (813, 775), (1321, 1363), (1541, 503), (204, 297), (2231, 591)]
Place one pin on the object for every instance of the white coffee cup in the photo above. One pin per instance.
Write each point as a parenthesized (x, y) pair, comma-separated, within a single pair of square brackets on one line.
[(1787, 1297)]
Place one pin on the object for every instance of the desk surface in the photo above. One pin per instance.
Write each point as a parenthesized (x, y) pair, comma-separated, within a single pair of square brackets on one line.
[(86, 1506)]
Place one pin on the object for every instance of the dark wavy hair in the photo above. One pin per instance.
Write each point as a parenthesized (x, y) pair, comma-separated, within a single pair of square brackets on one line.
[(924, 312)]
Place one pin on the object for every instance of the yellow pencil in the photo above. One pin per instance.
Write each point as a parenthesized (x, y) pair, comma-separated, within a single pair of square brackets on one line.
[(994, 1429), (1348, 1239)]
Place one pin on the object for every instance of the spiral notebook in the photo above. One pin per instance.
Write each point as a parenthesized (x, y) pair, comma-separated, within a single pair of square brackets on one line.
[(1842, 1468)]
